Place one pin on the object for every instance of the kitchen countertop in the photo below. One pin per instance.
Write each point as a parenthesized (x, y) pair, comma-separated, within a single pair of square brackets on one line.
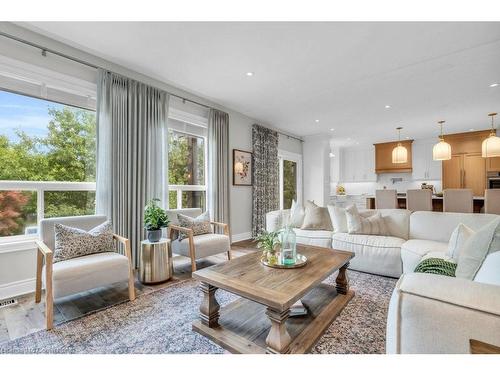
[(477, 198)]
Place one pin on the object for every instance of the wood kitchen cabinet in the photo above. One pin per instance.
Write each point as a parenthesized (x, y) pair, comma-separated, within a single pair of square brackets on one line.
[(383, 158), (493, 164)]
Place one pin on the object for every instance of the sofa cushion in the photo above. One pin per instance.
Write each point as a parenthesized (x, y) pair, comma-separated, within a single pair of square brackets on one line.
[(457, 240), (438, 226), (476, 249), (205, 245), (87, 272), (412, 252), (321, 238), (375, 254)]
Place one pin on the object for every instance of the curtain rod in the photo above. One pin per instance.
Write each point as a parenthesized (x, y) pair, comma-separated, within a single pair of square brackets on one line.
[(83, 62)]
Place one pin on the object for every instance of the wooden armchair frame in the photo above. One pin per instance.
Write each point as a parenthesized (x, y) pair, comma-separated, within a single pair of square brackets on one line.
[(189, 232), (46, 254)]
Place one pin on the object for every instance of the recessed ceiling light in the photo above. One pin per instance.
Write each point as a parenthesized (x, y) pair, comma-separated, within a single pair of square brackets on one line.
[(387, 106), (494, 84), (316, 120), (249, 74), (348, 139), (332, 129)]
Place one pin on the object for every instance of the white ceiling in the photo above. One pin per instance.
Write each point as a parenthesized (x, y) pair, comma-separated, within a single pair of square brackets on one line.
[(342, 74)]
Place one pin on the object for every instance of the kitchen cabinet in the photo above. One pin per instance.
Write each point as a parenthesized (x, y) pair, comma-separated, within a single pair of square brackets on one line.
[(383, 158), (465, 171), (357, 165), (493, 164), (424, 167)]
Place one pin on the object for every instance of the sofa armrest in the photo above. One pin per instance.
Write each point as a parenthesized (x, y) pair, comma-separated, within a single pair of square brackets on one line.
[(439, 314), (275, 220)]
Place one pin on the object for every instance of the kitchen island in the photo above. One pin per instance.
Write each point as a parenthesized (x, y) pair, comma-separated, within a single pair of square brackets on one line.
[(437, 202)]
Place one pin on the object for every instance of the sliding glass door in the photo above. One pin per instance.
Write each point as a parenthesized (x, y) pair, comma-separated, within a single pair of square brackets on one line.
[(290, 178)]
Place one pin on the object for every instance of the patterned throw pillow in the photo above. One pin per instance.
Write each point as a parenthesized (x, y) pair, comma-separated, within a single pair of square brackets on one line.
[(373, 225), (73, 242), (199, 225), (437, 266)]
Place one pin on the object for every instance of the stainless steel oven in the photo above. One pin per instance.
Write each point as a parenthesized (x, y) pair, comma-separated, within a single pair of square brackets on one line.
[(493, 180)]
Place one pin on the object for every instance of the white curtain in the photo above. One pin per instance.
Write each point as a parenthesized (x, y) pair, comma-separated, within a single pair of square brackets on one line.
[(131, 152)]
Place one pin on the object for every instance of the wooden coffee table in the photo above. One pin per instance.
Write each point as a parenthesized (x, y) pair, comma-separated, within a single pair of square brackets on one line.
[(259, 322)]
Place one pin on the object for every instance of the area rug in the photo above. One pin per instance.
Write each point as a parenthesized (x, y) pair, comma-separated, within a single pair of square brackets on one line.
[(160, 322)]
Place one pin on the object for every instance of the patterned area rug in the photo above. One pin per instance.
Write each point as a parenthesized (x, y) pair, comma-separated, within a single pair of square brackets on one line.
[(160, 322)]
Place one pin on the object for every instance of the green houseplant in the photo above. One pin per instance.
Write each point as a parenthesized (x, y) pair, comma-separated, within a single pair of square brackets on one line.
[(268, 242), (155, 218)]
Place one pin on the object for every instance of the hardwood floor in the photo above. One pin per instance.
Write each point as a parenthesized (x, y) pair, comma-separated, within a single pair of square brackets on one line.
[(27, 317)]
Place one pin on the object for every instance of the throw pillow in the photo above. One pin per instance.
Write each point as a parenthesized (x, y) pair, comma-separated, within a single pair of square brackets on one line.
[(199, 225), (338, 218), (296, 215), (475, 250), (316, 217), (437, 266), (73, 242), (457, 240), (357, 224)]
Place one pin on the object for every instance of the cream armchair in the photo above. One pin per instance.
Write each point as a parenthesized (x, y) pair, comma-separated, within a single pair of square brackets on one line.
[(200, 246), (76, 275)]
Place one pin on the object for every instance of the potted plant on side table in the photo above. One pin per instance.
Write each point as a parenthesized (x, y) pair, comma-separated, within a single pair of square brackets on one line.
[(155, 218)]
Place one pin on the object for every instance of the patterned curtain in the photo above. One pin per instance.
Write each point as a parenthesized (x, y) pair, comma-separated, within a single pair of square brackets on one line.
[(265, 189)]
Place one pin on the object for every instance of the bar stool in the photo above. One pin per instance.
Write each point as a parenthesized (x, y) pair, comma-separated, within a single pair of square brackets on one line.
[(386, 199), (457, 200), (419, 200), (492, 201)]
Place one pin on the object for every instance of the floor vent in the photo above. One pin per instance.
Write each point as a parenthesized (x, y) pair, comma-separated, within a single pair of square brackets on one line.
[(8, 302)]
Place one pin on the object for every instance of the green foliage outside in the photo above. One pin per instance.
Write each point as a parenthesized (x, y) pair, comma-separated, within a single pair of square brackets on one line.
[(66, 153), (289, 183)]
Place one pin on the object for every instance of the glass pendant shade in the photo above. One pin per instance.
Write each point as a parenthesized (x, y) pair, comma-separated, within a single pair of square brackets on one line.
[(491, 145), (399, 153), (441, 151)]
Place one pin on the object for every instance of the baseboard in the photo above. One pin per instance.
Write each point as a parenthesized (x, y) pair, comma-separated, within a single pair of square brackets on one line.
[(241, 236), (17, 288)]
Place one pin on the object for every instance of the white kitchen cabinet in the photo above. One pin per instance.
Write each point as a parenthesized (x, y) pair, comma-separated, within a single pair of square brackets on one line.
[(358, 165), (424, 167)]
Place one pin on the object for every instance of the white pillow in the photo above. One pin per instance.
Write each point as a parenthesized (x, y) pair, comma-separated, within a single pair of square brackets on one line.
[(338, 218), (489, 273), (475, 250), (316, 217), (356, 224), (457, 240), (297, 214)]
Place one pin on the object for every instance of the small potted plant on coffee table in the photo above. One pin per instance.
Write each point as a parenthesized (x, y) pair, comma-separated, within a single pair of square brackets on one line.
[(155, 218), (268, 242)]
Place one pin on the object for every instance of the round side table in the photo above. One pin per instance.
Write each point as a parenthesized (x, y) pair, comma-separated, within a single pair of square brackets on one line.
[(155, 261)]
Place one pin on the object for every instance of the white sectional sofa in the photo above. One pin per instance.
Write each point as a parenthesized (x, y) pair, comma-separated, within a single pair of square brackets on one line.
[(412, 235)]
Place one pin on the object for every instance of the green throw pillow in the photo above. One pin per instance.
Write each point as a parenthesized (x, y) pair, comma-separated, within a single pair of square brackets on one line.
[(437, 266)]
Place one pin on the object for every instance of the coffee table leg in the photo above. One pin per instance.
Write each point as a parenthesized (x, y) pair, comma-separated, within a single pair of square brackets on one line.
[(209, 308), (342, 281), (278, 338)]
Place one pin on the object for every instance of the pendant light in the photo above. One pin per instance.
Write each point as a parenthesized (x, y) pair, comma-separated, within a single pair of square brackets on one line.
[(441, 150), (491, 145), (399, 153)]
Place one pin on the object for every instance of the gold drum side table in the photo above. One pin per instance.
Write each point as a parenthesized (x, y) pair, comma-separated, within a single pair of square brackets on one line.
[(155, 261)]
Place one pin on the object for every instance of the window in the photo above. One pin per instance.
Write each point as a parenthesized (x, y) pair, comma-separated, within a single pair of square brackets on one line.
[(47, 154), (187, 149), (290, 178)]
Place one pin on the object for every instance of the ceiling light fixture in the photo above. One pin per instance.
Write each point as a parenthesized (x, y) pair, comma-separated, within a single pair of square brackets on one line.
[(491, 145), (441, 150), (387, 106), (316, 120), (399, 153), (332, 129), (249, 74), (494, 84)]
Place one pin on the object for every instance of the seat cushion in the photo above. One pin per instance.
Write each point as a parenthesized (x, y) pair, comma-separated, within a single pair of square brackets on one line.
[(87, 272), (205, 245), (311, 237), (412, 252), (375, 254)]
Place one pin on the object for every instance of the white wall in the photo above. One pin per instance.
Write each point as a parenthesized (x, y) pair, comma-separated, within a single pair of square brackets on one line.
[(316, 173), (17, 265)]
